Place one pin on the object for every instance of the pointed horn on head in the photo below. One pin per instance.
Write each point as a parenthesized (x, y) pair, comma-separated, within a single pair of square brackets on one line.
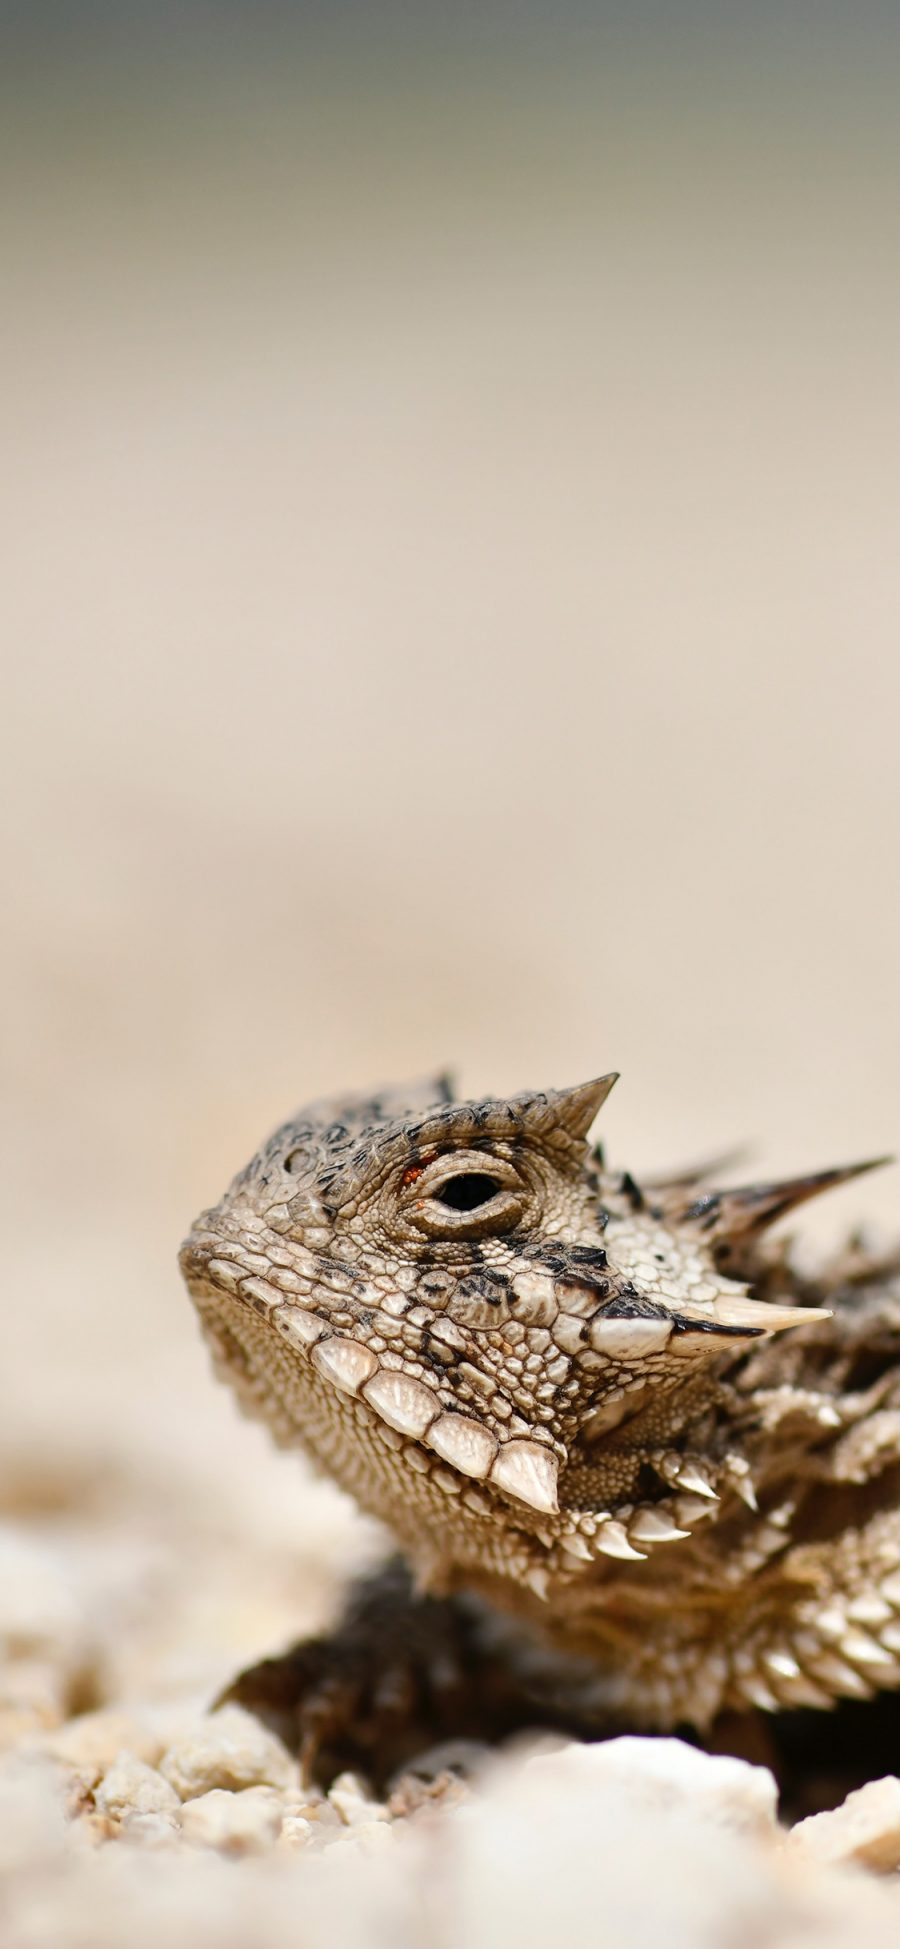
[(575, 1109), (736, 1314)]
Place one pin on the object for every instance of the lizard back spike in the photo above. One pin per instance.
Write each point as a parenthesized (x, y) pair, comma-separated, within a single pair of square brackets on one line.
[(744, 1211)]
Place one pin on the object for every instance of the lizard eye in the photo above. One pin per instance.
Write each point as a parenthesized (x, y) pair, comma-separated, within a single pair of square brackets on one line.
[(453, 1196), (468, 1190)]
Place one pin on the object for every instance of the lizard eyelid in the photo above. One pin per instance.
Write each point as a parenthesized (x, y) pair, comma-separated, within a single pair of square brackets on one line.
[(464, 1193)]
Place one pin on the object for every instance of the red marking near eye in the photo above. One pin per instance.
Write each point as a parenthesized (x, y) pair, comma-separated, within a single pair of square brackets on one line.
[(411, 1173)]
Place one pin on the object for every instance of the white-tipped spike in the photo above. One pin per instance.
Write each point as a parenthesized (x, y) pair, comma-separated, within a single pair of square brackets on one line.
[(295, 1324), (839, 1677), (863, 1650), (464, 1443), (344, 1363), (620, 1337), (732, 1310), (690, 1478), (768, 1538), (758, 1693), (576, 1545), (870, 1609), (538, 1581), (402, 1402), (827, 1416), (782, 1663), (743, 1487), (831, 1624), (653, 1526), (530, 1472), (612, 1539), (689, 1510), (800, 1690)]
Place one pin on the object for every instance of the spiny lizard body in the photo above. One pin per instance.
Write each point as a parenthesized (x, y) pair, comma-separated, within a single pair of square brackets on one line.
[(641, 1471)]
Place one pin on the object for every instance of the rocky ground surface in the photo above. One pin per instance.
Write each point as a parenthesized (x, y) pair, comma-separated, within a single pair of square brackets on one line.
[(128, 1810)]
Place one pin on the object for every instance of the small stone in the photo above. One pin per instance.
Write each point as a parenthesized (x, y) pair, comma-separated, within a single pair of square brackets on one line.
[(246, 1822), (370, 1836), (865, 1829), (664, 1773), (227, 1749), (326, 1824), (132, 1787), (325, 1816), (296, 1831), (412, 1794), (348, 1795), (151, 1830), (307, 1803)]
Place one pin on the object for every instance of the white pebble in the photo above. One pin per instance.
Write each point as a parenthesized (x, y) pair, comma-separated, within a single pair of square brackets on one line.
[(866, 1829), (247, 1822), (664, 1773), (132, 1787), (371, 1836), (228, 1749), (354, 1805), (296, 1831), (151, 1830)]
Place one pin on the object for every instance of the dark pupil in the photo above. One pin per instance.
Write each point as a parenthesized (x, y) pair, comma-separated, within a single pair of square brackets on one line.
[(467, 1191)]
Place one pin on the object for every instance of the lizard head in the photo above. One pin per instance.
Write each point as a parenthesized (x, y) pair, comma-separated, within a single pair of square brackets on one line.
[(456, 1296)]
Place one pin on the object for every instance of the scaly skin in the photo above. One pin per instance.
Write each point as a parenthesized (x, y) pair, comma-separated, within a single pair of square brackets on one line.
[(641, 1471)]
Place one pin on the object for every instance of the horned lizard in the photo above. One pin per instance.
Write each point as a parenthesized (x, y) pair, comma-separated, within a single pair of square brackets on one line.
[(641, 1471)]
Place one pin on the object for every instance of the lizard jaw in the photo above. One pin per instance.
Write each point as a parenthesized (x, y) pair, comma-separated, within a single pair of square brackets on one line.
[(526, 1470)]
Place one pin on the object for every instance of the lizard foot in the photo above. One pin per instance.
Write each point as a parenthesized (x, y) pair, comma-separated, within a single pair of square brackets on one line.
[(401, 1674)]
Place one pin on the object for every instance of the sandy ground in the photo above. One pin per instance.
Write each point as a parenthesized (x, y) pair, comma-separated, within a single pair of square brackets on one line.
[(452, 600)]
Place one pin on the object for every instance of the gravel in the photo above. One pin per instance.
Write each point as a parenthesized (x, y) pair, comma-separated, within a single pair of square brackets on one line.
[(130, 1811)]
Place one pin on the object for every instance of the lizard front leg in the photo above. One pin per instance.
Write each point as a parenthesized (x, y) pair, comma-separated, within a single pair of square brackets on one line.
[(401, 1672)]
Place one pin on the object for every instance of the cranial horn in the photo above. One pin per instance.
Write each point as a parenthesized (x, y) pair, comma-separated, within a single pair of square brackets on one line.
[(575, 1109), (738, 1214), (733, 1316)]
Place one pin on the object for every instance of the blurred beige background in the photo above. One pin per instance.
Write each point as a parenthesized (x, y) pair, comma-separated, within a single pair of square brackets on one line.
[(452, 598)]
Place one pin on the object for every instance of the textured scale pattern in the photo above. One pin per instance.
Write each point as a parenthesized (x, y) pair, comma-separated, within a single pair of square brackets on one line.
[(660, 1466)]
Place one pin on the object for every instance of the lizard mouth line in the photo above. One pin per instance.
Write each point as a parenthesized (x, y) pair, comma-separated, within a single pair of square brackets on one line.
[(525, 1473), (524, 1469)]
